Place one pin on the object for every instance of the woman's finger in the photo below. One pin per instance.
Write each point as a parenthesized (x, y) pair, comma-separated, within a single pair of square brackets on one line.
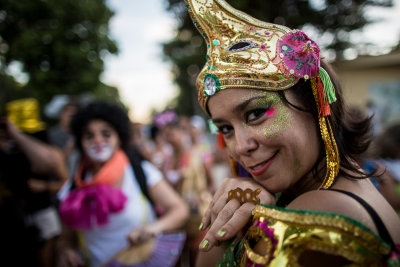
[(206, 219), (134, 237), (237, 222), (215, 206), (73, 259), (223, 217), (219, 204)]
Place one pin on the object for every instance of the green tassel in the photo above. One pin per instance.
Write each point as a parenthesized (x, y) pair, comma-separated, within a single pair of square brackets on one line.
[(329, 90)]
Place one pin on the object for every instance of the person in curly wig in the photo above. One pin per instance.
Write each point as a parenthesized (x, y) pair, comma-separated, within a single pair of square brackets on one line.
[(104, 202), (112, 114)]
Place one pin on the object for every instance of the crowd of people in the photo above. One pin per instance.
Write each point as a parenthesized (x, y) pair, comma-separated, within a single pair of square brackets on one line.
[(282, 174), (94, 184)]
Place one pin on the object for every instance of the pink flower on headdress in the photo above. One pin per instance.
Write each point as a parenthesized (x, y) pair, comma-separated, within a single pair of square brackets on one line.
[(166, 117), (299, 55)]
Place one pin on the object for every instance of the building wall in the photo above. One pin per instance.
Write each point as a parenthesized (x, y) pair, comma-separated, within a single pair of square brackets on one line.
[(372, 84), (356, 83), (358, 75)]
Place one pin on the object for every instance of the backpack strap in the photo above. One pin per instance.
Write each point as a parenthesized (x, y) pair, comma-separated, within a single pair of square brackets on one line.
[(135, 159)]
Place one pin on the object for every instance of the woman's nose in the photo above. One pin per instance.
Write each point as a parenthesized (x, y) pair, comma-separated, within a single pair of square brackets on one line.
[(98, 139), (245, 143)]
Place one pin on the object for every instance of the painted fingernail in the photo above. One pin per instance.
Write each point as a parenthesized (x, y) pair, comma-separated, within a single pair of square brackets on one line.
[(201, 226), (221, 233), (204, 244)]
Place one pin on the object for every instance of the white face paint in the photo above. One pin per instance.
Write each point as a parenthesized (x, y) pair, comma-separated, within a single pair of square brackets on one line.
[(100, 152)]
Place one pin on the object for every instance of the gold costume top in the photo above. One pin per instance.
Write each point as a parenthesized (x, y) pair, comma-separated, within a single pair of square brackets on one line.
[(291, 233)]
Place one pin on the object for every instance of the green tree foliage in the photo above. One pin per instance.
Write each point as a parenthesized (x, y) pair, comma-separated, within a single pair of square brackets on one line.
[(328, 18), (60, 45)]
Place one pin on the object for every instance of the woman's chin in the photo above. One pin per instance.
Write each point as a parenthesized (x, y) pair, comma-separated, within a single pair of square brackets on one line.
[(271, 185)]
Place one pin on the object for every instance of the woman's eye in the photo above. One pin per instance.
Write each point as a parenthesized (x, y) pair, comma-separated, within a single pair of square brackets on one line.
[(225, 129), (255, 114), (88, 136), (106, 134)]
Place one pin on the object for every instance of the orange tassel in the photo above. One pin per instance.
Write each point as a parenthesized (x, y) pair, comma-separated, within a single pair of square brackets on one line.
[(323, 100), (220, 141), (233, 167)]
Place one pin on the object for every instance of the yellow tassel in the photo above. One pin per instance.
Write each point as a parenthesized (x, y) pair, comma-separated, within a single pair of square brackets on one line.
[(332, 154), (331, 150)]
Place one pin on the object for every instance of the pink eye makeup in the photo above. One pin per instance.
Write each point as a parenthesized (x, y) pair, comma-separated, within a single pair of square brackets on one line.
[(270, 112)]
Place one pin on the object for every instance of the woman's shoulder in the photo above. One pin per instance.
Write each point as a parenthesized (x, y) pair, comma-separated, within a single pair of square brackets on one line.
[(357, 200), (326, 201), (334, 202)]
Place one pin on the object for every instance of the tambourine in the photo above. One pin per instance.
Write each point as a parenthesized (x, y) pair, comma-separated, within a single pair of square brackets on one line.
[(163, 250)]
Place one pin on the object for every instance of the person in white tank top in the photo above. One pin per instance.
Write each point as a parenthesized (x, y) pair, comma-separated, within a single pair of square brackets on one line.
[(103, 203)]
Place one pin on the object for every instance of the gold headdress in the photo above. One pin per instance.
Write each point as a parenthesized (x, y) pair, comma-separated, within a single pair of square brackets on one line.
[(243, 52)]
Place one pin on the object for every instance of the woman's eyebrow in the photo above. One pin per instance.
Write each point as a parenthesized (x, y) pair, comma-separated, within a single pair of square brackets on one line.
[(240, 107), (244, 104)]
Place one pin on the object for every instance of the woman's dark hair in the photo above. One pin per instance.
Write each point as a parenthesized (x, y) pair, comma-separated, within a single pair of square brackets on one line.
[(111, 113), (154, 132), (352, 132), (387, 143)]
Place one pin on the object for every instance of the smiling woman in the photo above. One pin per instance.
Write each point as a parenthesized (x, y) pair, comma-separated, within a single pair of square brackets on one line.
[(302, 199)]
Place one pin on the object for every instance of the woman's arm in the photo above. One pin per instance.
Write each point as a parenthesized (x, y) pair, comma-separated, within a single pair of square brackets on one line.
[(176, 211), (66, 249), (44, 159), (174, 217)]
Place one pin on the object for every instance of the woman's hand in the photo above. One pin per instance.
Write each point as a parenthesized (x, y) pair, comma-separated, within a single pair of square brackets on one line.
[(142, 234), (69, 258), (37, 185), (227, 218)]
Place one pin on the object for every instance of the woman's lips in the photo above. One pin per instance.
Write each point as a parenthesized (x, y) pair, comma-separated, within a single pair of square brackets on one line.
[(262, 167)]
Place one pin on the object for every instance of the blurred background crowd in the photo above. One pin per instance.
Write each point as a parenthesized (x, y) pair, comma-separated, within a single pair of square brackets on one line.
[(52, 58)]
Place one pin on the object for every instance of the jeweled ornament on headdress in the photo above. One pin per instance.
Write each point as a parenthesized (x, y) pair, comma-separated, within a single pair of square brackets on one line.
[(211, 84)]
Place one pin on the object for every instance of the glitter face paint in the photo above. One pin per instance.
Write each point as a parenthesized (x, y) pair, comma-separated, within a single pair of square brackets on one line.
[(281, 122), (273, 105), (266, 101), (275, 109), (295, 166)]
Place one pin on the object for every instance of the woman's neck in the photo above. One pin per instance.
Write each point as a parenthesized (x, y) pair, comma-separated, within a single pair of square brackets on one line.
[(311, 181), (95, 167), (179, 148)]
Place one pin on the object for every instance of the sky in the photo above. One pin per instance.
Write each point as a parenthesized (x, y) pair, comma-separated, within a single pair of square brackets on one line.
[(144, 79)]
